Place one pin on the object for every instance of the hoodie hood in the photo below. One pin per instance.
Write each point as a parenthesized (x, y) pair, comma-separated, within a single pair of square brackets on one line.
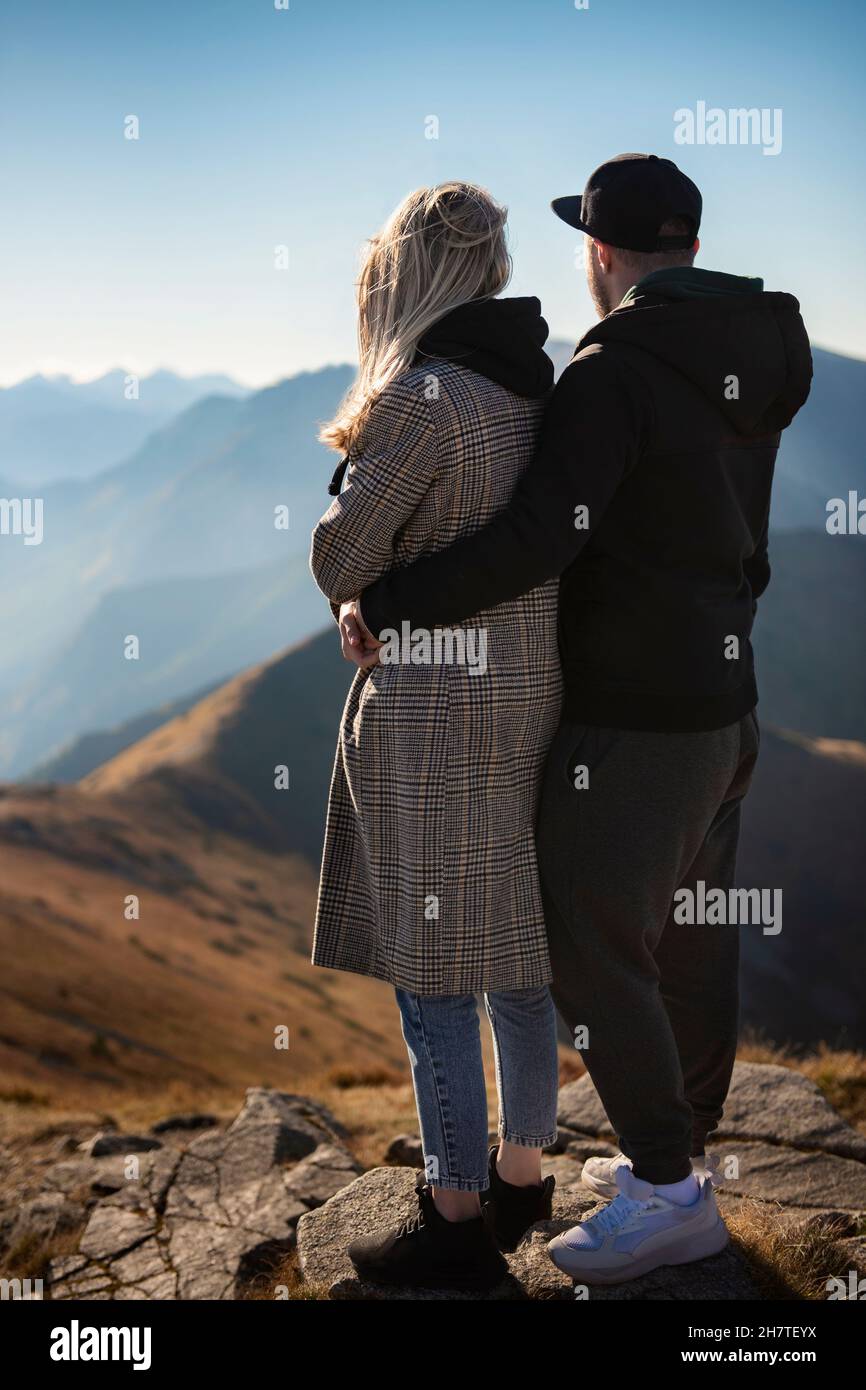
[(502, 339), (712, 327)]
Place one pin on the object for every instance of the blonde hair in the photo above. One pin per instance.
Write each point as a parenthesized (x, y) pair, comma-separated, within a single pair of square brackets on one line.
[(442, 247)]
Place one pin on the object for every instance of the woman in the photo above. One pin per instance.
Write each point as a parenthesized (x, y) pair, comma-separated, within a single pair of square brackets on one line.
[(429, 874)]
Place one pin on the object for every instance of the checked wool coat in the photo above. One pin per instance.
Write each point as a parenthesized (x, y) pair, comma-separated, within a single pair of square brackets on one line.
[(429, 876)]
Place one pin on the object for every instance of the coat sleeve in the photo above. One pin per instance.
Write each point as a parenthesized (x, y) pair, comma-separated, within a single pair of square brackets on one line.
[(591, 438), (353, 544)]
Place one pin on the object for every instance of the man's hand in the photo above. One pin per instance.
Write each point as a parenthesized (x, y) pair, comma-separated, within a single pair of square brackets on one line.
[(358, 644)]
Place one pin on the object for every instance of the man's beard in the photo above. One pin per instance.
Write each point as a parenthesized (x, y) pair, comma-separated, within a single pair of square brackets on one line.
[(598, 290)]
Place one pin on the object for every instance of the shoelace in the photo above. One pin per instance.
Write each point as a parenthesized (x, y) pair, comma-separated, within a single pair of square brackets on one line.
[(614, 1217), (418, 1218), (411, 1224)]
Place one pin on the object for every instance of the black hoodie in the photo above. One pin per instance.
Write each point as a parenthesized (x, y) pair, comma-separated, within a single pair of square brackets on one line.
[(650, 496), (502, 339)]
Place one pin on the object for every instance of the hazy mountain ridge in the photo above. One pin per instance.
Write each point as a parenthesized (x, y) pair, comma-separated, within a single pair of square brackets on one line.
[(192, 632), (54, 427), (197, 500)]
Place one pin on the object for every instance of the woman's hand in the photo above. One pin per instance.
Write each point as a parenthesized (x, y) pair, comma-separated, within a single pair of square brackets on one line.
[(357, 642)]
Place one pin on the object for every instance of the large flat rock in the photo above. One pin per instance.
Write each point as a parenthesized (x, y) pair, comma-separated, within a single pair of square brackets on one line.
[(376, 1200), (725, 1276), (775, 1103), (774, 1173), (383, 1196), (322, 1174), (764, 1102)]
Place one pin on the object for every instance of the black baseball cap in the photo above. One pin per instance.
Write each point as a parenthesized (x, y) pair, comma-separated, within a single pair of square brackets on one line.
[(627, 200)]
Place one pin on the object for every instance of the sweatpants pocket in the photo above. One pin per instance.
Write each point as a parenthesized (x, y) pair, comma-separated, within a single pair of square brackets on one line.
[(574, 738)]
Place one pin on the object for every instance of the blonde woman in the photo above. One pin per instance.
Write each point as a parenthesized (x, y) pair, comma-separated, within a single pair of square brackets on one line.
[(429, 874)]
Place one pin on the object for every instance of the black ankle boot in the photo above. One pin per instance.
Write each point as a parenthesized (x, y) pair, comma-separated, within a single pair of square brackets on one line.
[(429, 1252), (515, 1209)]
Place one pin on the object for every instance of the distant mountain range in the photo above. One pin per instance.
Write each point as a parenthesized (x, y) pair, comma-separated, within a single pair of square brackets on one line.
[(811, 663), (53, 427), (174, 754), (199, 500), (191, 631), (182, 531), (812, 673)]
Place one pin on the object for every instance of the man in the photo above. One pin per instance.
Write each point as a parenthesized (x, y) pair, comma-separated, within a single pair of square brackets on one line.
[(650, 496)]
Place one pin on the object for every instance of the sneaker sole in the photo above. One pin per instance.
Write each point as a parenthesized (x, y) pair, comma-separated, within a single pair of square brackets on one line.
[(708, 1243)]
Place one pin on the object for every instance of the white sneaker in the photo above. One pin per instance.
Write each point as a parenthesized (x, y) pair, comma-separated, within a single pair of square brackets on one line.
[(639, 1231), (599, 1174)]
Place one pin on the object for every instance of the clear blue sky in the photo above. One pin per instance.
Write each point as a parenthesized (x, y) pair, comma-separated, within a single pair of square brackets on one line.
[(261, 127)]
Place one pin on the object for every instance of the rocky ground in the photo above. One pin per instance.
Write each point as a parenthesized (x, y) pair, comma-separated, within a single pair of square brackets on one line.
[(266, 1206)]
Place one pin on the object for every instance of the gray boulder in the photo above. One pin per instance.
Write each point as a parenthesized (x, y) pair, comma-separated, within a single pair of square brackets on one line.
[(764, 1102), (40, 1218), (88, 1179), (375, 1201), (212, 1217), (580, 1110), (384, 1196), (327, 1170), (775, 1173), (775, 1103), (724, 1276)]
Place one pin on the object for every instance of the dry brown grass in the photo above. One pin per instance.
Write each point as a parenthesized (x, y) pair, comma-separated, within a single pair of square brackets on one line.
[(350, 1078), (788, 1259), (373, 1115), (284, 1282), (29, 1258)]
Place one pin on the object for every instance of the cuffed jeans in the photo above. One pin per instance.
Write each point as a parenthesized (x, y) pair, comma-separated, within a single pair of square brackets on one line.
[(443, 1037)]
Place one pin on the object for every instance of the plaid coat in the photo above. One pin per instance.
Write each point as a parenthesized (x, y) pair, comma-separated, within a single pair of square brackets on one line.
[(429, 876)]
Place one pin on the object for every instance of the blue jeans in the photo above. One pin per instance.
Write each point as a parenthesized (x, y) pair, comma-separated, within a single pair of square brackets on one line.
[(443, 1036)]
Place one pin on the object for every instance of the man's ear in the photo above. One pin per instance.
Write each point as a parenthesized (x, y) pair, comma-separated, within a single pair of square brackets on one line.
[(697, 246), (602, 254)]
